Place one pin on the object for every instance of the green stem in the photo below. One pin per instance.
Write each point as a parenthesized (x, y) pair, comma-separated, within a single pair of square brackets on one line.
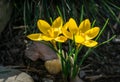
[(60, 13), (75, 67), (102, 30), (63, 60), (82, 13), (106, 41)]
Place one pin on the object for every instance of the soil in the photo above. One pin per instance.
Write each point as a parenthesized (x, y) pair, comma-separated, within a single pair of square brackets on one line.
[(102, 66)]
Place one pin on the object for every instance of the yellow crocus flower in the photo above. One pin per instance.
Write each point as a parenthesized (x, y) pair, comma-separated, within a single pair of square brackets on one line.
[(71, 31), (49, 33), (82, 34)]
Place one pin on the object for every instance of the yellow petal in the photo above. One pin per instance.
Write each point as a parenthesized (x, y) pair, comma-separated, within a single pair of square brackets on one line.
[(61, 39), (57, 23), (65, 32), (85, 25), (46, 38), (43, 26), (53, 32), (72, 26), (90, 43), (92, 33), (35, 37), (56, 32), (79, 39)]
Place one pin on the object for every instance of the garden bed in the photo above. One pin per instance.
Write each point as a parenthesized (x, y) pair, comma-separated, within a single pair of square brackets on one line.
[(102, 68)]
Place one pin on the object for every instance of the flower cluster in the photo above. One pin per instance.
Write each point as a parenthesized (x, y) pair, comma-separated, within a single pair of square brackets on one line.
[(79, 36), (57, 32)]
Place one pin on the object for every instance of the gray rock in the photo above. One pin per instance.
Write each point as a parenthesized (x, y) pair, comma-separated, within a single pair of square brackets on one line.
[(76, 79), (47, 80), (13, 75), (39, 50)]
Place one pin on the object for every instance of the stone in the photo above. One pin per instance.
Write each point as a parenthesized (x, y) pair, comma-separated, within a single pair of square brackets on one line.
[(76, 79), (13, 75), (82, 74), (53, 66), (47, 80), (39, 50)]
